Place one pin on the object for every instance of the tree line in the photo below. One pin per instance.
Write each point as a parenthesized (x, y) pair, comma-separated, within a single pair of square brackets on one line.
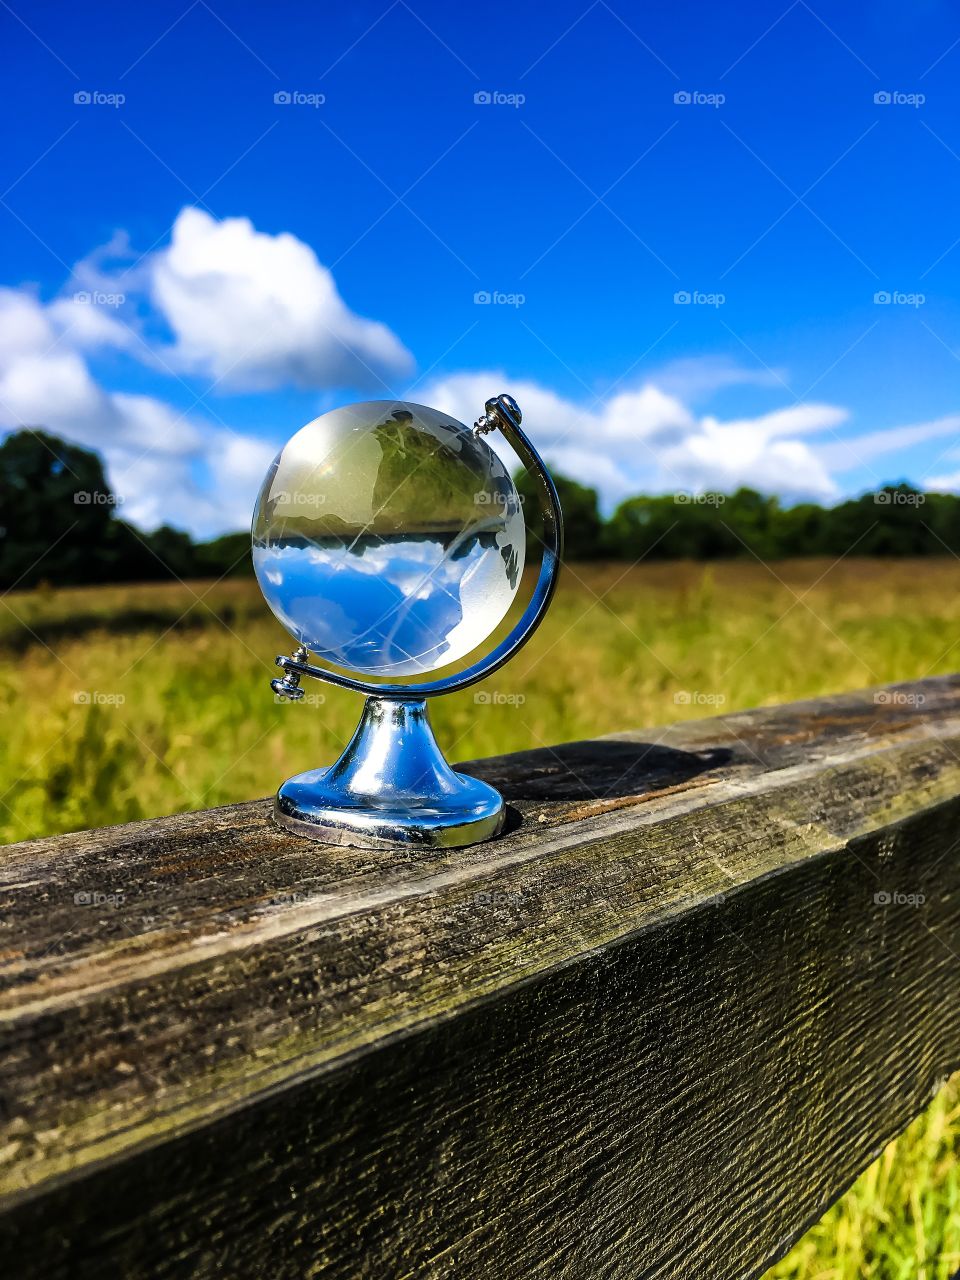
[(894, 520), (60, 523)]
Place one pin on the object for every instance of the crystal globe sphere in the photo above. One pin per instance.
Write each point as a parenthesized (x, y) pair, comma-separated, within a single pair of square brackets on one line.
[(388, 538)]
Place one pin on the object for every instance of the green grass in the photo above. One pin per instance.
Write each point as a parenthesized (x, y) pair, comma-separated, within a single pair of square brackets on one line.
[(128, 702), (901, 1219)]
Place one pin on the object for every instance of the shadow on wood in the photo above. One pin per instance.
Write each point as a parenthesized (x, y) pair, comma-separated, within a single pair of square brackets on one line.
[(596, 769)]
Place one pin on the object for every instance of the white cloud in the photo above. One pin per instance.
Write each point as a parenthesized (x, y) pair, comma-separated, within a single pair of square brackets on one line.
[(25, 327), (260, 311), (45, 382), (591, 467), (948, 483), (795, 420), (89, 324), (649, 440), (250, 309), (724, 456), (167, 467), (856, 451), (208, 494)]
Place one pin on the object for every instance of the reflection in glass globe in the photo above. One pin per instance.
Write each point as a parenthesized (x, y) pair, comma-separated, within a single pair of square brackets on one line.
[(388, 538)]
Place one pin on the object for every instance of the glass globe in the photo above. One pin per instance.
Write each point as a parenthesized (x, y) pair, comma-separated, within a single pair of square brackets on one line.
[(388, 538)]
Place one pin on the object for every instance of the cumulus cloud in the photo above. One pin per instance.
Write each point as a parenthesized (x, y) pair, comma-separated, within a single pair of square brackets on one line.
[(249, 309), (647, 439), (90, 324), (167, 467), (260, 311), (45, 381), (210, 492)]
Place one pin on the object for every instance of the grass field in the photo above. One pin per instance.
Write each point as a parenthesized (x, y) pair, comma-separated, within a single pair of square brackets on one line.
[(122, 703)]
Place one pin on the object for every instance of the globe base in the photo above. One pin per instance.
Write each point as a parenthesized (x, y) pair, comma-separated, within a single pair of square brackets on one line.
[(391, 787)]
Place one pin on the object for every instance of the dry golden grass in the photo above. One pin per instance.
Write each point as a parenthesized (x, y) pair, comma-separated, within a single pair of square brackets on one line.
[(128, 702)]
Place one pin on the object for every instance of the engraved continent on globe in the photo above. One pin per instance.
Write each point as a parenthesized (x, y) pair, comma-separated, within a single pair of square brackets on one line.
[(388, 538)]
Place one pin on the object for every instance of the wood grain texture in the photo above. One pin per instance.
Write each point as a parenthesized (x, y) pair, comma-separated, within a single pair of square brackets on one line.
[(653, 1030)]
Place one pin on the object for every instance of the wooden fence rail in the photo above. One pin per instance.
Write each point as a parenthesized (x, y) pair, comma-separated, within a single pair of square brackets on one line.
[(652, 1031)]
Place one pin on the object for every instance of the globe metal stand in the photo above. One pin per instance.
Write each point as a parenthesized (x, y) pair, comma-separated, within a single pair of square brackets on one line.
[(392, 785)]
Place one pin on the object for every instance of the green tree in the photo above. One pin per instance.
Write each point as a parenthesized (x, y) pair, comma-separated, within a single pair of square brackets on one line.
[(55, 510), (58, 521), (226, 557), (582, 522)]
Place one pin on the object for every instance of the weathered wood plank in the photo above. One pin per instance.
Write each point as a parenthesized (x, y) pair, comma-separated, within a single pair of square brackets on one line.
[(652, 1031)]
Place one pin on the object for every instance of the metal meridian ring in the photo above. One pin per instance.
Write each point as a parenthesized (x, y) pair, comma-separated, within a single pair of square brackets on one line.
[(503, 412)]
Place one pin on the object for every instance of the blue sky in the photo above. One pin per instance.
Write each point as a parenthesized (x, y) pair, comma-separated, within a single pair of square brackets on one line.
[(781, 165)]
